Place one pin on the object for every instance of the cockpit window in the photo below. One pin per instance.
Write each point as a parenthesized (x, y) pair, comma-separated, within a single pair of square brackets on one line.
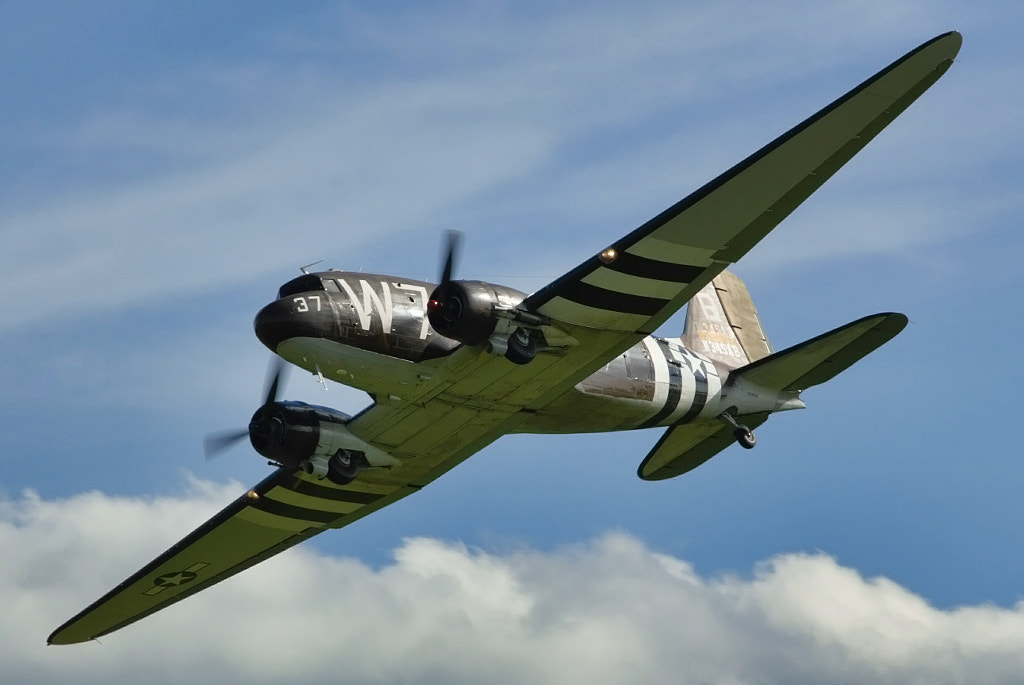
[(301, 284)]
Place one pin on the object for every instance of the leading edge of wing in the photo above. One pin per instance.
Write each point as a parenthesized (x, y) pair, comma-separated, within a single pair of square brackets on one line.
[(645, 277), (281, 511)]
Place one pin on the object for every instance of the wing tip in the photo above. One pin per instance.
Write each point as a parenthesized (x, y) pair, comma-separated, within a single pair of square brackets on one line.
[(57, 639), (949, 43), (892, 322), (66, 635), (643, 475), (954, 39)]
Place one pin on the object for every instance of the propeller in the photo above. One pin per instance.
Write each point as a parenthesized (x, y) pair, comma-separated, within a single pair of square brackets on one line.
[(453, 242), (215, 443), (444, 306), (275, 373)]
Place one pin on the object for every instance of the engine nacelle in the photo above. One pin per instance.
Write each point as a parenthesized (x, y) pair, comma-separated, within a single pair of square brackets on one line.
[(314, 439), (476, 312), (467, 311)]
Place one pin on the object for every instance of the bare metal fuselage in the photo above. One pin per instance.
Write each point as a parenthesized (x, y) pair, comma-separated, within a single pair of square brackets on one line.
[(371, 332)]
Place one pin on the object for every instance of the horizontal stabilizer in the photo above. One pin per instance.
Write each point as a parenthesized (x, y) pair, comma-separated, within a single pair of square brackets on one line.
[(820, 359), (685, 447)]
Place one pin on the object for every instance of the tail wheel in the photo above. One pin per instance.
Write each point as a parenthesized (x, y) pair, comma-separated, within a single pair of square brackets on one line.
[(745, 437)]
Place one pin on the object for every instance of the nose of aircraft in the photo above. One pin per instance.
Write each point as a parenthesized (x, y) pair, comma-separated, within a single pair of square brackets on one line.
[(277, 322)]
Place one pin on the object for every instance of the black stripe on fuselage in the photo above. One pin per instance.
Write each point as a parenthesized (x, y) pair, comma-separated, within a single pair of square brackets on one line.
[(675, 386), (700, 395), (611, 300), (634, 265)]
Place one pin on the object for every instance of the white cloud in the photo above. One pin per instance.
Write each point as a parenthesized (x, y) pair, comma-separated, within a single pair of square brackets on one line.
[(606, 611)]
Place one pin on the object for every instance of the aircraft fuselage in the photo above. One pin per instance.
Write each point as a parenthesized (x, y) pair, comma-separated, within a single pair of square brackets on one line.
[(371, 332)]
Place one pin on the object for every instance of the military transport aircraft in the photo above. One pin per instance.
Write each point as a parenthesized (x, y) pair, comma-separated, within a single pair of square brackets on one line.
[(454, 366)]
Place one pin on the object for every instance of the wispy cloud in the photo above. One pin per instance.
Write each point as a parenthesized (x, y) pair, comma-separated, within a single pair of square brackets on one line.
[(354, 131)]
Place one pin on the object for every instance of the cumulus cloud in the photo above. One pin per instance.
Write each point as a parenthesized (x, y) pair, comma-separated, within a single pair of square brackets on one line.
[(609, 610)]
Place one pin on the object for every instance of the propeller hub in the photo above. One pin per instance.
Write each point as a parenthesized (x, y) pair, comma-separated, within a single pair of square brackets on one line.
[(266, 428)]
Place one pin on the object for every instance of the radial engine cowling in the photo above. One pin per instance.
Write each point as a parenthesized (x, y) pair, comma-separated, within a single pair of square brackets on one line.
[(467, 311), (314, 439)]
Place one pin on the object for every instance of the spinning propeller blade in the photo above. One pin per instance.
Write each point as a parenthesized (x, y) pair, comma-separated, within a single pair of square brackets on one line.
[(453, 241), (275, 374), (215, 443)]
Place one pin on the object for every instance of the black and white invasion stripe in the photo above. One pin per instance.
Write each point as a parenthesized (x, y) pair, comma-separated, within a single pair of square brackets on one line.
[(299, 503), (625, 292)]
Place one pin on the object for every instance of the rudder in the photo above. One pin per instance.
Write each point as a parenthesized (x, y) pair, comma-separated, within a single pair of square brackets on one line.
[(722, 324)]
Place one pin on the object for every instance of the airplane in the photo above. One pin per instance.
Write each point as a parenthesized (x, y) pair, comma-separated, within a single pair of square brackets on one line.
[(453, 366)]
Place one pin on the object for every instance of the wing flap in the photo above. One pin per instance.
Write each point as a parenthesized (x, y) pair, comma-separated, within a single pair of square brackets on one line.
[(820, 359), (694, 240), (685, 447)]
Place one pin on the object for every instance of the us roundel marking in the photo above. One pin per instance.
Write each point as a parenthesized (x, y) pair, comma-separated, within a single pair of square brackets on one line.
[(175, 579)]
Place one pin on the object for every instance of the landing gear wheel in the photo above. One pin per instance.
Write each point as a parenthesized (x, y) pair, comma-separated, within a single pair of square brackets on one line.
[(522, 346), (743, 434), (344, 466), (745, 437)]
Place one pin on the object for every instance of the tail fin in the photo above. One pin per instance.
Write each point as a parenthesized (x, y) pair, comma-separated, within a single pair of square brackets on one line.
[(722, 324)]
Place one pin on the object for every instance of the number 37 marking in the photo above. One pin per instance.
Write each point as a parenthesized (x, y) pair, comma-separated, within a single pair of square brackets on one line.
[(302, 303)]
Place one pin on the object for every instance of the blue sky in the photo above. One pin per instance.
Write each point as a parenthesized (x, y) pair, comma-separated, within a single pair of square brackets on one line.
[(165, 168)]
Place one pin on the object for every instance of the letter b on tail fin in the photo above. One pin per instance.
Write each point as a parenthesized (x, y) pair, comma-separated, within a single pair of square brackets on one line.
[(722, 324)]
